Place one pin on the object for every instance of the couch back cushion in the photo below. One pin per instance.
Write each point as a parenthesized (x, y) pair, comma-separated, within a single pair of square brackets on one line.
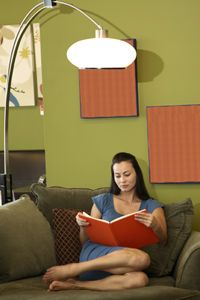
[(179, 217), (48, 198), (26, 241), (163, 257)]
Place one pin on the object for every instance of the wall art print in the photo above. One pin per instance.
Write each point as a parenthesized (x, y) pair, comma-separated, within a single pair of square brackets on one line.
[(27, 71), (108, 93), (174, 143)]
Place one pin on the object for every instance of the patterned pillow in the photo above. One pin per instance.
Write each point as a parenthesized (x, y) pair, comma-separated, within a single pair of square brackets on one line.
[(66, 232)]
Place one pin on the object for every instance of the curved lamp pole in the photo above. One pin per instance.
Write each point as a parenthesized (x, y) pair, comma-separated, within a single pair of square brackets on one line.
[(81, 54)]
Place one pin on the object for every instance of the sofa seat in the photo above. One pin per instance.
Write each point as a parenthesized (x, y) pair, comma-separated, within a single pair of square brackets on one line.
[(34, 289)]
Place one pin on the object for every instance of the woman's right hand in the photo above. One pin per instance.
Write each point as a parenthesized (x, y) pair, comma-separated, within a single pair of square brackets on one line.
[(81, 222)]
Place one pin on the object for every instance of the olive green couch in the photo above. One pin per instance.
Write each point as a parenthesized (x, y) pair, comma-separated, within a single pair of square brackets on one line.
[(39, 232)]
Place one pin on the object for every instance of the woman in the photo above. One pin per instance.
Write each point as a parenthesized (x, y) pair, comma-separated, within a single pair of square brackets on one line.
[(113, 268)]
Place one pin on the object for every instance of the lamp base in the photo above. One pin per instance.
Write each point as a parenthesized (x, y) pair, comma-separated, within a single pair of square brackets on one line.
[(6, 194)]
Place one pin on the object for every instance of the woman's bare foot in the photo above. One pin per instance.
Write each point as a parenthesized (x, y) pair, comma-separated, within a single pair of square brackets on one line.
[(62, 285), (60, 272)]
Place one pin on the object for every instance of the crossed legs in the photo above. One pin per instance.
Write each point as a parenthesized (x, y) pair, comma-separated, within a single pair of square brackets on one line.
[(126, 267)]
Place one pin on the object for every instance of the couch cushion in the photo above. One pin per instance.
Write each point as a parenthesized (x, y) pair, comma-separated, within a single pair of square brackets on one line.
[(48, 198), (179, 218), (66, 233), (26, 241), (35, 289)]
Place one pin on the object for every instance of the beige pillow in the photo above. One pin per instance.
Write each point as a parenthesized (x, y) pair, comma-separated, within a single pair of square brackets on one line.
[(26, 241)]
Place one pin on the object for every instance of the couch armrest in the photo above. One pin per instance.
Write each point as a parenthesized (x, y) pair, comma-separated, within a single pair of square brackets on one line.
[(187, 271)]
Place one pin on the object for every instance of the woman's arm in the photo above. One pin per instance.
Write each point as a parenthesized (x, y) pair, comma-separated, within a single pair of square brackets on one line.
[(159, 224), (156, 220), (82, 223)]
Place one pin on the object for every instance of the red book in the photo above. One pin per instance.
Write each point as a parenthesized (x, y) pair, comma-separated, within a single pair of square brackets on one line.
[(124, 231)]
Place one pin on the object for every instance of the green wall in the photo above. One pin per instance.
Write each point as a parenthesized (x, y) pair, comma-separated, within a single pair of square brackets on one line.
[(78, 151)]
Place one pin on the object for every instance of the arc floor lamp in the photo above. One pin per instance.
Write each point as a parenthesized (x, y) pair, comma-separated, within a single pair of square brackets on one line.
[(99, 52)]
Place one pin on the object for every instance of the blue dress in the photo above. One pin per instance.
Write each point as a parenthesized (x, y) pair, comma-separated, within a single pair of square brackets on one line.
[(90, 250)]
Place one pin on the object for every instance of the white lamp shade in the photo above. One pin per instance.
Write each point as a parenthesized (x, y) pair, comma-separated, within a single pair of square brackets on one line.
[(101, 53)]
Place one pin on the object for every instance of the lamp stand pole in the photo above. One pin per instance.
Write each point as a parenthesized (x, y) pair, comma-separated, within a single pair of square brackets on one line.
[(6, 193), (6, 178)]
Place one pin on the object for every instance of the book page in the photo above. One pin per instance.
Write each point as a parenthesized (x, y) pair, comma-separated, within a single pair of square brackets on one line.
[(128, 215), (115, 220)]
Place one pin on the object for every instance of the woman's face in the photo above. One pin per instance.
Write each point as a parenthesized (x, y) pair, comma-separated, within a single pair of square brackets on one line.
[(124, 175)]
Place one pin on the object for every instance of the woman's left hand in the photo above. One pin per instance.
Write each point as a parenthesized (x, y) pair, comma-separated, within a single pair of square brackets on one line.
[(146, 218), (156, 221)]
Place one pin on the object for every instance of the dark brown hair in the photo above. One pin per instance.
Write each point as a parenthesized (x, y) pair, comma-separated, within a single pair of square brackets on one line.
[(140, 188)]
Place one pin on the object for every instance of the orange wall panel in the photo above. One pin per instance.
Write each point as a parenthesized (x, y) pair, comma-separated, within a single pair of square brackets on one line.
[(174, 143)]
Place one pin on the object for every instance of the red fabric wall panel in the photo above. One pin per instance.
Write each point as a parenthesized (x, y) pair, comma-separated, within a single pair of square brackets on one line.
[(174, 143)]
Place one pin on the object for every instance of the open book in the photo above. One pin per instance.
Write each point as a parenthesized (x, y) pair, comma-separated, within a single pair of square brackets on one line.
[(124, 231)]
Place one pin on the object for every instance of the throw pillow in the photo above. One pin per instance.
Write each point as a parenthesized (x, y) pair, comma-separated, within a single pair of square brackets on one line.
[(66, 234), (26, 241), (196, 224), (179, 226)]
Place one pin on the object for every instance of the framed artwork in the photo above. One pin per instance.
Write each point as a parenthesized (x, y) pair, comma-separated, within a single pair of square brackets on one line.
[(27, 70), (174, 143), (108, 93)]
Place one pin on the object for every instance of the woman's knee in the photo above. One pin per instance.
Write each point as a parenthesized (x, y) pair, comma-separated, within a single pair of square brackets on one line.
[(143, 279), (146, 259), (136, 280), (134, 258), (139, 259)]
